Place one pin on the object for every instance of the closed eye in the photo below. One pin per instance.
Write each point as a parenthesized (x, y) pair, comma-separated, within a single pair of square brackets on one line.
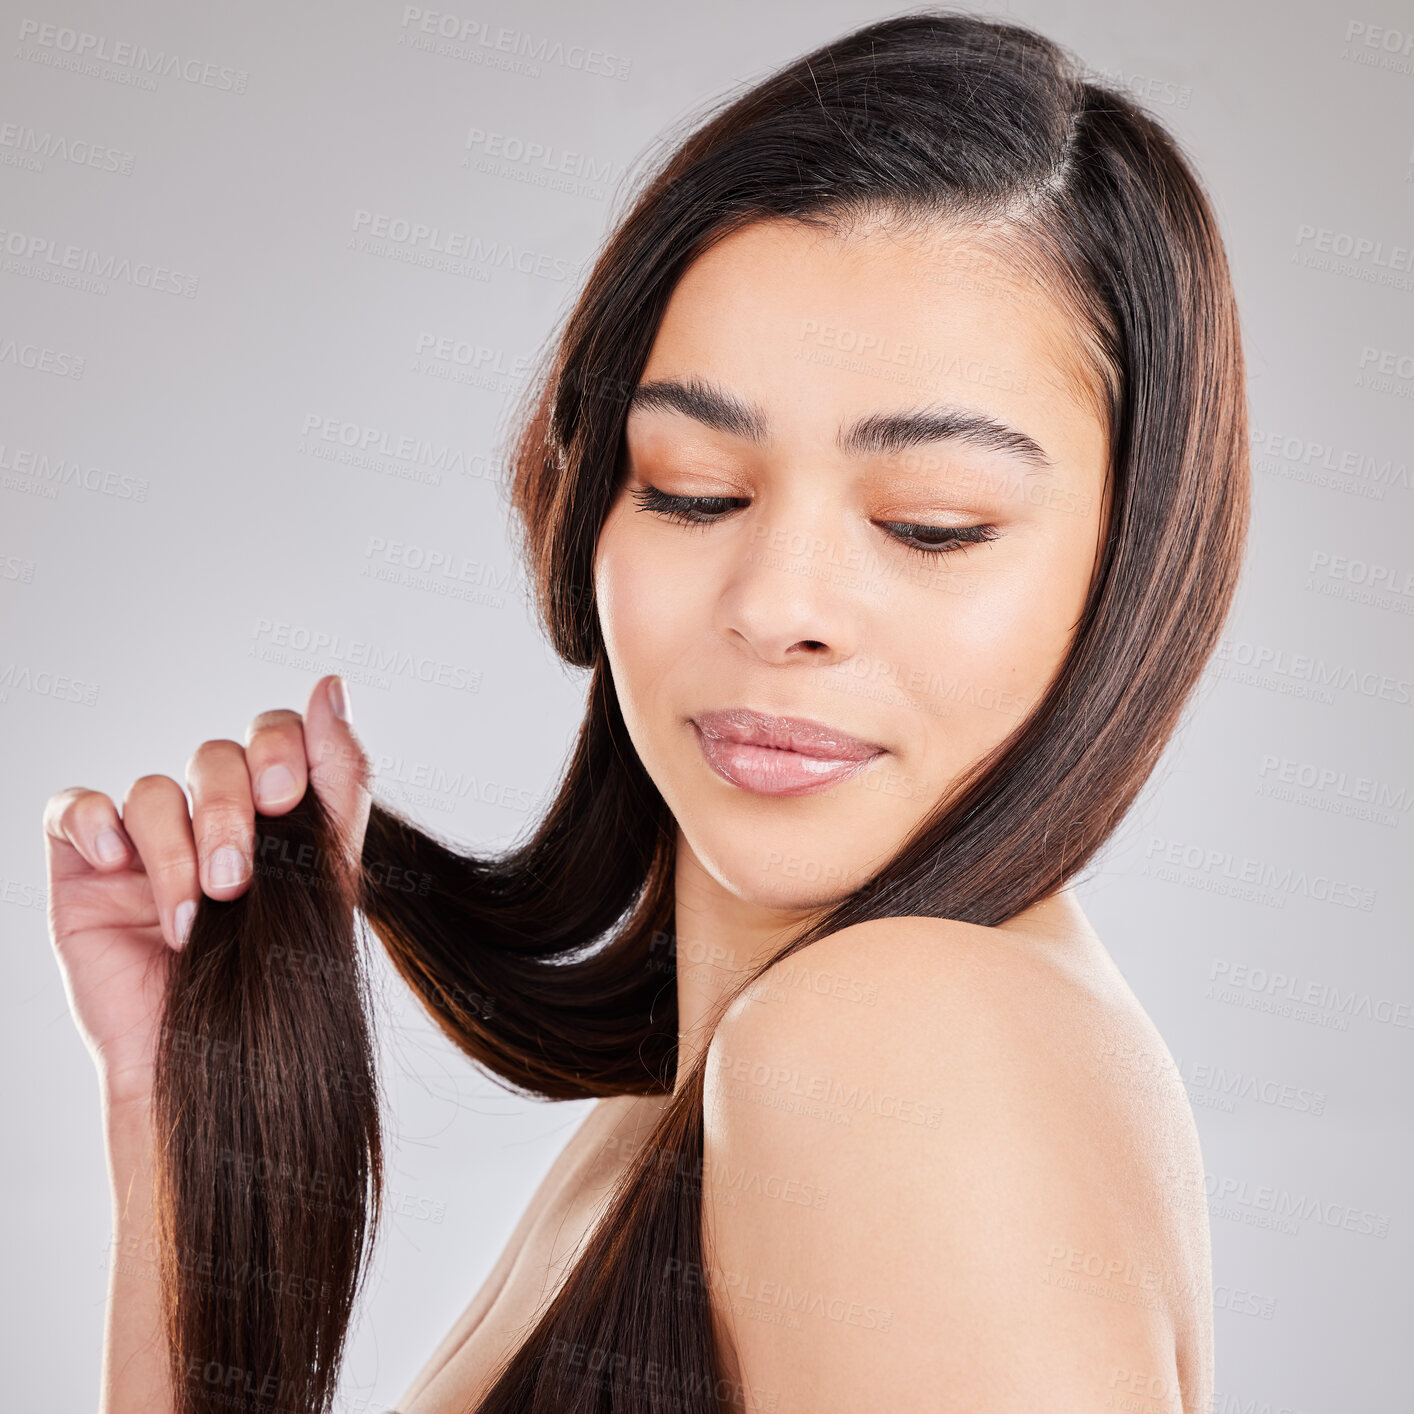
[(689, 510), (703, 511), (938, 539)]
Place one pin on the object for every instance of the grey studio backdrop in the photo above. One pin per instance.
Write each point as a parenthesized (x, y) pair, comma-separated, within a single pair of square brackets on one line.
[(273, 276)]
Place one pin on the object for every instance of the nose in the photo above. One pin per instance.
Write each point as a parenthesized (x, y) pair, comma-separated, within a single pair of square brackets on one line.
[(788, 599)]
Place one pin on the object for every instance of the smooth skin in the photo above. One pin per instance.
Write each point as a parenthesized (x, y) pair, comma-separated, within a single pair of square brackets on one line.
[(1013, 1214), (120, 882)]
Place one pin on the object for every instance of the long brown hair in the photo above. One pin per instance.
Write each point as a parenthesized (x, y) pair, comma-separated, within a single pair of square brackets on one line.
[(552, 963)]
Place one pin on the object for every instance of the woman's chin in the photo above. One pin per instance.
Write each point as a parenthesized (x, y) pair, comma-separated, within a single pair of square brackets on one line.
[(783, 880)]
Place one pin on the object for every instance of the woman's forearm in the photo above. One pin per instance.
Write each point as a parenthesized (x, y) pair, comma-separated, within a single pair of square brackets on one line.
[(135, 1376)]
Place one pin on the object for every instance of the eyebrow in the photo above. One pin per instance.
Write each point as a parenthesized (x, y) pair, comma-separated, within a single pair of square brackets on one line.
[(879, 432)]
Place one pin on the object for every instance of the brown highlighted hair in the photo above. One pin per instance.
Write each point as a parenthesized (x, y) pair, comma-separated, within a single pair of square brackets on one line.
[(545, 964)]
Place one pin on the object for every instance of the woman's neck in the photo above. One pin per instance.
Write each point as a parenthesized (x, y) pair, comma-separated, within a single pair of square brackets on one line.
[(720, 938)]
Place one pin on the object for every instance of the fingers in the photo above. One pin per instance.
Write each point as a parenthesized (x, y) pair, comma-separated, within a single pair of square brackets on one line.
[(338, 766), (275, 759), (156, 819), (210, 847), (83, 831), (222, 817)]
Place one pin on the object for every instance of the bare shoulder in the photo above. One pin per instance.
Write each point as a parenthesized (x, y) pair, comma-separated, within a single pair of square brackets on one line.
[(948, 1159)]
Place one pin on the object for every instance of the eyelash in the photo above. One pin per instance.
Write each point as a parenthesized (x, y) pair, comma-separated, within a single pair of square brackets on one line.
[(686, 510)]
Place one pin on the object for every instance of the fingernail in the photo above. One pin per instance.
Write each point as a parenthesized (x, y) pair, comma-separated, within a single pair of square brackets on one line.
[(227, 867), (109, 845), (276, 785), (181, 921), (339, 700)]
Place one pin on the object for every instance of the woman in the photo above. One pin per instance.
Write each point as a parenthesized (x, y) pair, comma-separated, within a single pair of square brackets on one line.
[(890, 476)]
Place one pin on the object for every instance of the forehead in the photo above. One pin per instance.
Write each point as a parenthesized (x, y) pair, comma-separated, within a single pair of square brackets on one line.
[(817, 326)]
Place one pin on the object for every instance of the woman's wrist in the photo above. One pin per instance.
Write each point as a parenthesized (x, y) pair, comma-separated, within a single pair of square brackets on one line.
[(125, 1090), (122, 1100)]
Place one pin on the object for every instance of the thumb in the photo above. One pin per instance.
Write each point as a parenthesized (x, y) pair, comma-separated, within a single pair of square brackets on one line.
[(339, 768)]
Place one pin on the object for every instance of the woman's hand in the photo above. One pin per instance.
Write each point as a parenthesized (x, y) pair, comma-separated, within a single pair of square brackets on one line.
[(123, 891)]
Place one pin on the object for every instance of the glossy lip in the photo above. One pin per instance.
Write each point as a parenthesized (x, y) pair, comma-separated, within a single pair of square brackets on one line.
[(771, 755)]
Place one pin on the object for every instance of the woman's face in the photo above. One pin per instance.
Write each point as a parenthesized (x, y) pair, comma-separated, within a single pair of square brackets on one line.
[(893, 478)]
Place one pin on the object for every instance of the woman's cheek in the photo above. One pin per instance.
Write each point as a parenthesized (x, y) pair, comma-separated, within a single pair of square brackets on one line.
[(653, 628), (628, 585), (973, 664)]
